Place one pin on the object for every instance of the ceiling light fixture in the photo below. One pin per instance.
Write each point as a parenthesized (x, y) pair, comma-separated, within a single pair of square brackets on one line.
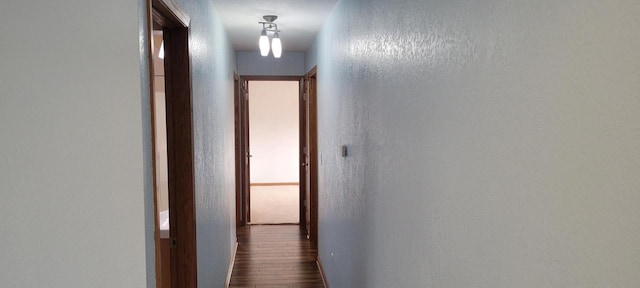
[(276, 45), (263, 43)]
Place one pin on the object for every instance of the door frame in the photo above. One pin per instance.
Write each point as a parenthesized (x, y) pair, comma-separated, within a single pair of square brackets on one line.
[(168, 15), (242, 114), (309, 130), (243, 189), (240, 220)]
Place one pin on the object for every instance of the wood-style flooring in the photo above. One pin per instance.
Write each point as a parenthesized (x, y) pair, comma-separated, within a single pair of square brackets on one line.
[(275, 256)]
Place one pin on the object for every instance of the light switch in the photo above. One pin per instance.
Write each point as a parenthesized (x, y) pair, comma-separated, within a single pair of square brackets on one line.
[(345, 151)]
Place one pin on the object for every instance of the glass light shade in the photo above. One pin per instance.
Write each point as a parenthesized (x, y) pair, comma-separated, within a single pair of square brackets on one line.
[(264, 43), (276, 45), (161, 53)]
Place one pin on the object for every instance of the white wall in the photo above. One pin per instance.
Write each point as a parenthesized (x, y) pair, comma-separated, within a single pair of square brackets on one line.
[(76, 188), (273, 128), (252, 63), (73, 172), (494, 143)]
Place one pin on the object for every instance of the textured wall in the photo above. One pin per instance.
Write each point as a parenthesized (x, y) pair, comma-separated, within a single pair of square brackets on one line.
[(212, 66), (73, 172), (251, 63), (494, 143)]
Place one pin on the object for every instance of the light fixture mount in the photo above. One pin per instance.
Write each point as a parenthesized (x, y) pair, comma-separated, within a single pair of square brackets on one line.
[(268, 25), (270, 18), (263, 43)]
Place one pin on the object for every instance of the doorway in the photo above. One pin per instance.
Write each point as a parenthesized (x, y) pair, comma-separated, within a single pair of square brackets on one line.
[(273, 145), (172, 136), (306, 150), (161, 169)]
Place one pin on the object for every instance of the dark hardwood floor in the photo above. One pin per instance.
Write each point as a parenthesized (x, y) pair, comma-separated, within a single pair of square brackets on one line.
[(275, 256)]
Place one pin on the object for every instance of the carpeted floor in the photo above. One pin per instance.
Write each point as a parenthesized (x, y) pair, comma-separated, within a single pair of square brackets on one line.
[(274, 204)]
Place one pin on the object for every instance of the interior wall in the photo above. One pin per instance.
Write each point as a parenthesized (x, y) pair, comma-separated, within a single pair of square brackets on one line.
[(212, 66), (274, 135), (252, 63), (147, 145), (492, 143), (74, 177), (76, 153)]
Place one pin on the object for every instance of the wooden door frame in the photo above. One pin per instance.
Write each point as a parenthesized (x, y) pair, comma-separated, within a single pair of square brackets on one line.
[(302, 135), (168, 15), (312, 118), (243, 123), (237, 102), (243, 192)]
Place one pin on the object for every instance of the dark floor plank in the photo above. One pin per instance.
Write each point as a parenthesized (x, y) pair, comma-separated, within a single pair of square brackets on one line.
[(275, 256)]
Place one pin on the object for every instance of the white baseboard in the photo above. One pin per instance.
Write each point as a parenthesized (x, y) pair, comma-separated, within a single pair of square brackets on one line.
[(324, 278), (233, 261)]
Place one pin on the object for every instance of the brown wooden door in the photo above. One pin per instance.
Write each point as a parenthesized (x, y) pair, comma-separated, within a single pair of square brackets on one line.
[(239, 158), (306, 160), (310, 155), (246, 179), (303, 153), (180, 159)]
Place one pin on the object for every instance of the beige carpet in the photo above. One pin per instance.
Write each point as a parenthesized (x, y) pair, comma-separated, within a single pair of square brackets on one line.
[(274, 204)]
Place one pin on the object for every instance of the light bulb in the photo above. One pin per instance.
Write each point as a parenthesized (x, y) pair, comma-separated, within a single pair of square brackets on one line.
[(264, 43), (276, 45)]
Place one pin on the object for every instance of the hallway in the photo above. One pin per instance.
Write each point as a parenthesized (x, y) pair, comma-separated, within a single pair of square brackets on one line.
[(275, 256), (472, 143)]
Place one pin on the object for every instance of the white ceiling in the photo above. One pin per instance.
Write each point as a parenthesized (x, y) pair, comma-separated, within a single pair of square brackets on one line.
[(298, 20)]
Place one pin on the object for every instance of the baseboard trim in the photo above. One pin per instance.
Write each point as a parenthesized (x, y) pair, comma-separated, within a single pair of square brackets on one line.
[(233, 262), (324, 278), (276, 184)]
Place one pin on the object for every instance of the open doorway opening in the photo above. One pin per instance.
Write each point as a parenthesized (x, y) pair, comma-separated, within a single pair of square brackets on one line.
[(161, 161), (174, 187), (307, 151), (274, 142)]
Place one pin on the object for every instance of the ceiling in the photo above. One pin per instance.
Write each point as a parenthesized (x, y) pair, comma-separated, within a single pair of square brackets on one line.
[(298, 20)]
